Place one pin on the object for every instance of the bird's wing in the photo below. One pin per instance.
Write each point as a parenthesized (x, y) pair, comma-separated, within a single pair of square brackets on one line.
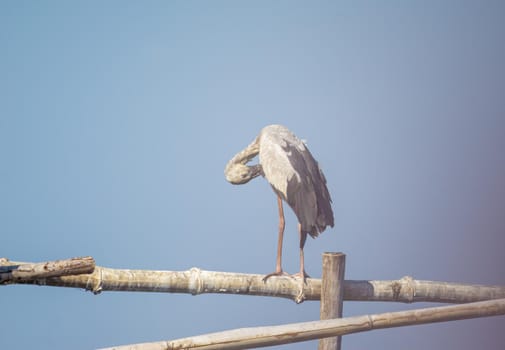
[(301, 192)]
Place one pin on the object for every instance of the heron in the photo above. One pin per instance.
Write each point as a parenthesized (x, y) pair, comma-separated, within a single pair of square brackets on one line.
[(296, 178)]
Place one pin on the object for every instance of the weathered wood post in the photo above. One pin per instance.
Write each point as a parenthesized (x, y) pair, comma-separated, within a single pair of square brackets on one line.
[(332, 294)]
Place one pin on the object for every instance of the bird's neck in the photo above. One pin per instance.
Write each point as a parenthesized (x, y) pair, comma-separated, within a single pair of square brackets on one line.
[(246, 154)]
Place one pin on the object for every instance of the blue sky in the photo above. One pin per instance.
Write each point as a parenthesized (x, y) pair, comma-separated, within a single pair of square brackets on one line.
[(117, 119)]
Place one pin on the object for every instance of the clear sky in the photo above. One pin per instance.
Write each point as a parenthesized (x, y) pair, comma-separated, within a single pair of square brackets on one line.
[(117, 119)]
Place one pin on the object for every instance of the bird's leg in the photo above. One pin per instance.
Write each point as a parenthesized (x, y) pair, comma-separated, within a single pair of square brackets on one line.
[(303, 238), (278, 266)]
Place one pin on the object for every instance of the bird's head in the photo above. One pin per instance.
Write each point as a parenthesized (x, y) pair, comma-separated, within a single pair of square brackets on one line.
[(239, 174)]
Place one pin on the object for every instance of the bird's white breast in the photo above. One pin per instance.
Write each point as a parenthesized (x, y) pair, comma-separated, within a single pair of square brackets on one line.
[(276, 145)]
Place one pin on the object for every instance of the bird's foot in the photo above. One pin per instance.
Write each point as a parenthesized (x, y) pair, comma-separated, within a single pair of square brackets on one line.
[(300, 297), (276, 273), (304, 275)]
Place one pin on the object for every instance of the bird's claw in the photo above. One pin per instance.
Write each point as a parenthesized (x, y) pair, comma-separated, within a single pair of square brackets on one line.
[(300, 297), (303, 275), (275, 273), (297, 275)]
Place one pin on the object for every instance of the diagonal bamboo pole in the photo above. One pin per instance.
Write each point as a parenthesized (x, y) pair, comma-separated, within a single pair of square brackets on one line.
[(25, 272), (195, 281), (246, 338)]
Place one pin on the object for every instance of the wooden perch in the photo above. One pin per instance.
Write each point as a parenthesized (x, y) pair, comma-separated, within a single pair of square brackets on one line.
[(246, 338), (195, 281), (11, 272), (332, 295)]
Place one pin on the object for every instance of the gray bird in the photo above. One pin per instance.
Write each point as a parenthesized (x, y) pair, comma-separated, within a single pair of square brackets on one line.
[(296, 178)]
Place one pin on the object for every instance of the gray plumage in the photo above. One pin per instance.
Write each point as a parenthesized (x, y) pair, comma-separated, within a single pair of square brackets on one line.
[(295, 176)]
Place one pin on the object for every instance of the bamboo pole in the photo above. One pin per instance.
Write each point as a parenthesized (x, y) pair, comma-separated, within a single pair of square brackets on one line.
[(24, 272), (196, 281), (332, 295), (246, 338)]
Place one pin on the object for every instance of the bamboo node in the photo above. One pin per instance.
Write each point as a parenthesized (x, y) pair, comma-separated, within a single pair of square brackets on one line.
[(195, 283), (96, 281), (409, 287)]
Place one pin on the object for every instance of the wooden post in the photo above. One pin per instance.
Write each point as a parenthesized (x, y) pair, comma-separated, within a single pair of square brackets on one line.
[(332, 295)]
